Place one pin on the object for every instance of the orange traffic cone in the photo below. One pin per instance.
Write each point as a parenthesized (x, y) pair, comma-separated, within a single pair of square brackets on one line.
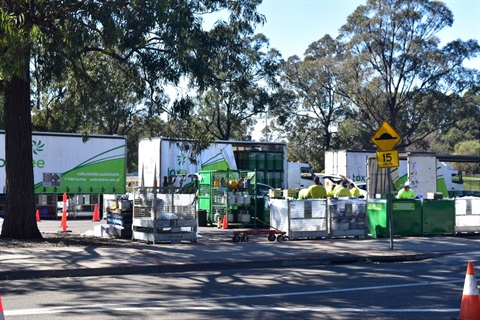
[(470, 306), (37, 215), (2, 317), (225, 222), (96, 215), (63, 223)]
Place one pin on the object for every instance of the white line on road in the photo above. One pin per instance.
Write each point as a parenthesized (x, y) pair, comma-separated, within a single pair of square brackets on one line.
[(145, 304)]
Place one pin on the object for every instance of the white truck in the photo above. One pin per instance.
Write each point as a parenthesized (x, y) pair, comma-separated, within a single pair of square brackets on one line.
[(423, 170), (349, 163), (162, 159), (83, 167)]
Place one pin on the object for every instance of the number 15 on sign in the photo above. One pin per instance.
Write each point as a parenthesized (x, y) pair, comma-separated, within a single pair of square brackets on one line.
[(387, 159)]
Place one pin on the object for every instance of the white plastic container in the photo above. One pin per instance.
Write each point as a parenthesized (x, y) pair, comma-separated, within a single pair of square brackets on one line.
[(231, 198), (239, 198), (244, 217)]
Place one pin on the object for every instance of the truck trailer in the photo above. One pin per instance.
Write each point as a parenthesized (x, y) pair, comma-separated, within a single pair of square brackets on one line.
[(84, 167), (424, 171), (164, 161)]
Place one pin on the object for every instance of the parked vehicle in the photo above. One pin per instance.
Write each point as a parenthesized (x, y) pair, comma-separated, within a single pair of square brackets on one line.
[(263, 189), (73, 164), (331, 180), (423, 170), (169, 161)]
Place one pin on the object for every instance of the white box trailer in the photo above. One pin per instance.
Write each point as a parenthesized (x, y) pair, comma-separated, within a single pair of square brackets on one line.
[(349, 163), (354, 164), (163, 160), (420, 170), (73, 163), (424, 171), (84, 167)]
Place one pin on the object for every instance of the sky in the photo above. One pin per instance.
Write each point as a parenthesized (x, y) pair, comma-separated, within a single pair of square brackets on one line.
[(292, 25)]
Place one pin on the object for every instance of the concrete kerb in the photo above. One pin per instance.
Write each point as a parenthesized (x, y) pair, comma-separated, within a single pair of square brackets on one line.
[(217, 252), (327, 259)]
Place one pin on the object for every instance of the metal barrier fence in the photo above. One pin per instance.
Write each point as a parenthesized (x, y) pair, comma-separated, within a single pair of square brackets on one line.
[(164, 214), (467, 214), (319, 218)]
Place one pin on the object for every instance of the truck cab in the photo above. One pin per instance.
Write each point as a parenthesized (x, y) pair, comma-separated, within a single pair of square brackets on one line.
[(299, 175)]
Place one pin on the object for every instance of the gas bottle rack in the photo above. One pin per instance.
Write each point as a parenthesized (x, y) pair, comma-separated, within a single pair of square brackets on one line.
[(152, 224)]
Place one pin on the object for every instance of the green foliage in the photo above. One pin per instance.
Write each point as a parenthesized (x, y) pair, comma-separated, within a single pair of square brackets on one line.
[(15, 38), (468, 148), (396, 70), (314, 83), (386, 65), (241, 86), (80, 50)]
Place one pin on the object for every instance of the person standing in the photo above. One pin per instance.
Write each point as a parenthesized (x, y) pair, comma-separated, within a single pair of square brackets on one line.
[(316, 191), (354, 191), (406, 192), (342, 191), (302, 193)]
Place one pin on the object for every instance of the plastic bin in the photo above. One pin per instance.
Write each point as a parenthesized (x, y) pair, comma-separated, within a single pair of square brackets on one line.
[(438, 217), (202, 218), (407, 217), (377, 217)]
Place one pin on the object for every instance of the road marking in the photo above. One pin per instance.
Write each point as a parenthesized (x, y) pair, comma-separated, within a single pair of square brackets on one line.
[(133, 306)]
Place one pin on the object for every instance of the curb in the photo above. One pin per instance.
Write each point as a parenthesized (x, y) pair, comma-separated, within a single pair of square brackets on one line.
[(328, 259)]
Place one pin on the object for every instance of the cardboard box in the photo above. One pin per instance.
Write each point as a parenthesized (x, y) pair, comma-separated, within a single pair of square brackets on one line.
[(275, 193), (434, 195), (124, 204), (290, 193)]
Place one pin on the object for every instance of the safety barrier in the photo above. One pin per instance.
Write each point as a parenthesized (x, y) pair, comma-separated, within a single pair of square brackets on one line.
[(319, 218), (467, 214), (322, 218), (162, 216)]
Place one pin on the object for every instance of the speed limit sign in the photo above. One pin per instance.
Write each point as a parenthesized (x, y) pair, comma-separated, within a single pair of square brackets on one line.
[(387, 159)]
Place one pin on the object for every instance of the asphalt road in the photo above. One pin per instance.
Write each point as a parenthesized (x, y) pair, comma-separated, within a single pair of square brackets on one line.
[(416, 290)]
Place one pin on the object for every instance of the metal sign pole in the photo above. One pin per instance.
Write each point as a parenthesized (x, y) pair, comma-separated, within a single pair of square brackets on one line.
[(386, 138), (389, 208)]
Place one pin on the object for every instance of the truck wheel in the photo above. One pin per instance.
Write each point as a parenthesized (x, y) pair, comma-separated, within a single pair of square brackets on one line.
[(271, 237), (280, 238), (244, 239), (236, 238)]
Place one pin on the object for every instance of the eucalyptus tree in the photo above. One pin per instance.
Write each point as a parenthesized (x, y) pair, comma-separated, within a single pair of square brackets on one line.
[(311, 120), (165, 39), (468, 147), (244, 81), (395, 69), (103, 97)]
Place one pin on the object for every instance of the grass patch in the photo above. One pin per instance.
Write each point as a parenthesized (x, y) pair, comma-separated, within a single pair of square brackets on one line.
[(471, 183)]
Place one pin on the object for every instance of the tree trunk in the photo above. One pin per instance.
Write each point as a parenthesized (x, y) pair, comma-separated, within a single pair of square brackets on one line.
[(20, 221)]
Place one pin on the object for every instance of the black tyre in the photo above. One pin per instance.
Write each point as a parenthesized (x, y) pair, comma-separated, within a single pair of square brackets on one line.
[(236, 238)]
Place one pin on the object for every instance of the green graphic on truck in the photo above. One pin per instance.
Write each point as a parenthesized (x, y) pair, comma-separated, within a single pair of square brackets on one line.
[(69, 163)]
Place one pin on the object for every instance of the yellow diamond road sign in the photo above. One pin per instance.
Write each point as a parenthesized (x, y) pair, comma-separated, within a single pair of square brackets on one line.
[(386, 138)]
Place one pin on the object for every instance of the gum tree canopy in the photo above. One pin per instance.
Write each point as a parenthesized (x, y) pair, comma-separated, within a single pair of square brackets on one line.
[(396, 70), (165, 39)]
